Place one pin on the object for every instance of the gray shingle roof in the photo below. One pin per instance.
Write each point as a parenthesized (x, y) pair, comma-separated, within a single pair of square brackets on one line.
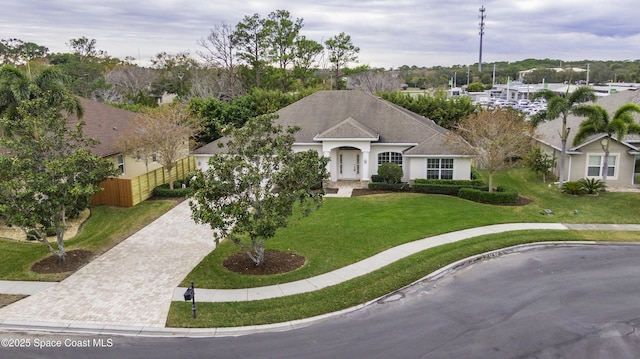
[(104, 123), (357, 114), (549, 132), (349, 128)]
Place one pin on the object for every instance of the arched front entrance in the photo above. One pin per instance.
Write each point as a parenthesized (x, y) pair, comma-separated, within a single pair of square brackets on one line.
[(349, 163)]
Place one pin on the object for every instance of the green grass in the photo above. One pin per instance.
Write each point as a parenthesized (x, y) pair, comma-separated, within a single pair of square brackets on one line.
[(366, 288), (347, 230), (106, 227)]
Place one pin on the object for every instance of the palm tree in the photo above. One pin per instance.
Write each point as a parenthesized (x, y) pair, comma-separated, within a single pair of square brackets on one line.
[(16, 87), (598, 122), (558, 106)]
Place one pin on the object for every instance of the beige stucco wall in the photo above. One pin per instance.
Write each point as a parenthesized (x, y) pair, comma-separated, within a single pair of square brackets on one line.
[(418, 168), (623, 177), (134, 167)]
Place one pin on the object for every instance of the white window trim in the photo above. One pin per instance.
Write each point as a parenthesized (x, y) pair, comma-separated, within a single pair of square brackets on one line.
[(391, 153), (440, 169), (616, 168)]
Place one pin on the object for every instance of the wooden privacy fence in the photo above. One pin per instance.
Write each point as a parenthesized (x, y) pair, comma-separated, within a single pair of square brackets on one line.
[(129, 192)]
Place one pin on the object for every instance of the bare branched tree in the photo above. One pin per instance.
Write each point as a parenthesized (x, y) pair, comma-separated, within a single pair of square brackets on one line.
[(497, 137), (374, 81), (163, 133), (219, 51), (128, 80)]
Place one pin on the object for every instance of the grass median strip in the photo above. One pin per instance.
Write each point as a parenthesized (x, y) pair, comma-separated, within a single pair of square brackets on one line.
[(369, 287)]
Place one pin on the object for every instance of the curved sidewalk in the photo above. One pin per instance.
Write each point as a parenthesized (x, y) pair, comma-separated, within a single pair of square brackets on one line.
[(130, 288), (378, 261)]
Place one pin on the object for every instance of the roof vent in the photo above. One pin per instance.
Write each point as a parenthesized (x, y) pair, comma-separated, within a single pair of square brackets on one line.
[(115, 128)]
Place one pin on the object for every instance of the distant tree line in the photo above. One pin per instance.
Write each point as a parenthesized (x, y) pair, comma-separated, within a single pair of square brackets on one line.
[(262, 64)]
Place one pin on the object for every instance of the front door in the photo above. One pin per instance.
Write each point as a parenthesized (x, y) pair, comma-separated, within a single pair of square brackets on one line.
[(349, 165)]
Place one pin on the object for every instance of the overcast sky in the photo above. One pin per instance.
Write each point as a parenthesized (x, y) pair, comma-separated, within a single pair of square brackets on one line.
[(390, 33)]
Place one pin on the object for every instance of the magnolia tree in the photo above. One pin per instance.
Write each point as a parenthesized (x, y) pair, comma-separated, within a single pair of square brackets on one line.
[(253, 185), (47, 172)]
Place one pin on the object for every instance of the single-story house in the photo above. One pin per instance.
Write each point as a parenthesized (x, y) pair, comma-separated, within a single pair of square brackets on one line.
[(138, 176), (359, 132), (586, 160)]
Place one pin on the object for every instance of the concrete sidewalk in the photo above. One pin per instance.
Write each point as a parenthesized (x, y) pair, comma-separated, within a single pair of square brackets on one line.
[(130, 288), (356, 269)]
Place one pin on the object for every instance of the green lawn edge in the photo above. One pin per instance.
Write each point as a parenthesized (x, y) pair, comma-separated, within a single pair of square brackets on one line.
[(106, 227), (369, 287)]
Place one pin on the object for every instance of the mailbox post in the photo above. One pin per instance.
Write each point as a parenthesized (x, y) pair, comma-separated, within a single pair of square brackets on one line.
[(190, 294)]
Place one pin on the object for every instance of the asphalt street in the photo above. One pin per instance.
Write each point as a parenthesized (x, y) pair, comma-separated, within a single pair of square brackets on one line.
[(557, 302)]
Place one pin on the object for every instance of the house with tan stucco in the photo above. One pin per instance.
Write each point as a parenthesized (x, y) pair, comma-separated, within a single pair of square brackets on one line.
[(138, 175), (586, 160)]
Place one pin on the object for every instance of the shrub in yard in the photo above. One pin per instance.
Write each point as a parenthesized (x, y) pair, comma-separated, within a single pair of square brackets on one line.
[(592, 185), (470, 183), (502, 195), (574, 188), (475, 174), (376, 178), (164, 191), (447, 187), (389, 186), (390, 172)]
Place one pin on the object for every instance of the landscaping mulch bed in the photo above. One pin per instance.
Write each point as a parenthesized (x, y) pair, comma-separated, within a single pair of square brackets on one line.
[(522, 201), (365, 191), (75, 260), (275, 262)]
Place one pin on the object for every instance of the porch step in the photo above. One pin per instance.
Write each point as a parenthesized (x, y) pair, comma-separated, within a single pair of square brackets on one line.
[(344, 192)]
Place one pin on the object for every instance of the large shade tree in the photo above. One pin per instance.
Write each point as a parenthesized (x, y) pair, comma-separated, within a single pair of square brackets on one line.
[(47, 171), (254, 184), (563, 106), (598, 121)]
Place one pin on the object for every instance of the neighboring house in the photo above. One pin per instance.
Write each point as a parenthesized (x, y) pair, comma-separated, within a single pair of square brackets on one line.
[(359, 132), (138, 176), (586, 159)]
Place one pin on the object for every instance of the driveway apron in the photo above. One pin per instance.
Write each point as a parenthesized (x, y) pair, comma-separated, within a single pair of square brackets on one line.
[(130, 285)]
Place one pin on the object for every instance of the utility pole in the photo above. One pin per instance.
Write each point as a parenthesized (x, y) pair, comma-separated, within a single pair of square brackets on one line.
[(482, 17)]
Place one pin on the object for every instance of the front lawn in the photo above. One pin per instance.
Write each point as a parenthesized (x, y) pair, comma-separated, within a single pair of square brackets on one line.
[(369, 287), (106, 227), (346, 230)]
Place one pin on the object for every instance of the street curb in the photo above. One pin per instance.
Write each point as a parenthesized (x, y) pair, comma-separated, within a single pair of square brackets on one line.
[(73, 328)]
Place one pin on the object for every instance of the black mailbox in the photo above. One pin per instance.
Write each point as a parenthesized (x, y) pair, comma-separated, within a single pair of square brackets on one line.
[(188, 294)]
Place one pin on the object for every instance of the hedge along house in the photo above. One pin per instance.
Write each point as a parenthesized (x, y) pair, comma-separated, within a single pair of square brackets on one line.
[(586, 160), (359, 132), (138, 176)]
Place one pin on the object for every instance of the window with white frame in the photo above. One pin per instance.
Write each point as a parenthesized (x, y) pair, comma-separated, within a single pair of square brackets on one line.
[(594, 166), (439, 168), (394, 157), (121, 163)]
